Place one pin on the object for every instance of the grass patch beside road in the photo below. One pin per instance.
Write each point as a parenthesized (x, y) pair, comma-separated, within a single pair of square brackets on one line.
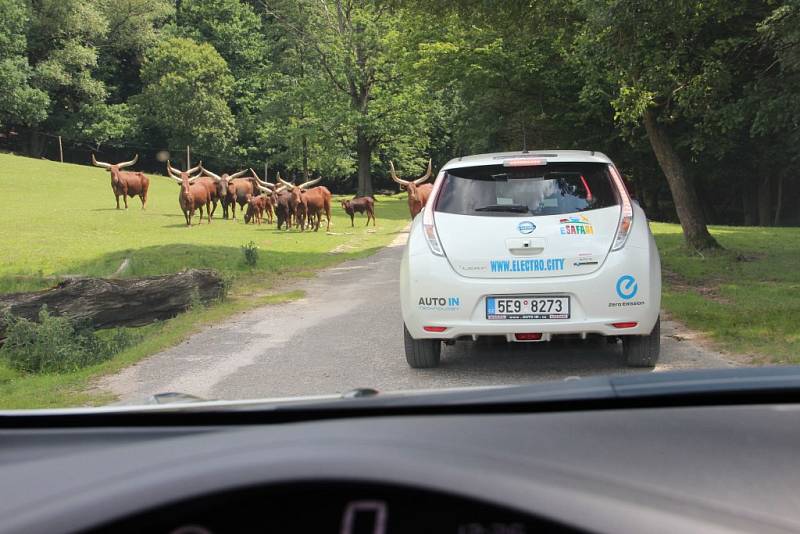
[(746, 297), (22, 391), (60, 219)]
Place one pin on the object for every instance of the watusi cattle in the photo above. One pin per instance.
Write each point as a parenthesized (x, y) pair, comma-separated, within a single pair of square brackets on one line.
[(310, 203), (126, 183), (418, 192), (221, 185), (193, 195), (360, 205)]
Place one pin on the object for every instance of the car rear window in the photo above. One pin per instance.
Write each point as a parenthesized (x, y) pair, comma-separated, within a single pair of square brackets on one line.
[(552, 189)]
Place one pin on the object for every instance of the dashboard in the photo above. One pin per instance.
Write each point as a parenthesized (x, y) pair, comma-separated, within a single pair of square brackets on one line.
[(658, 469)]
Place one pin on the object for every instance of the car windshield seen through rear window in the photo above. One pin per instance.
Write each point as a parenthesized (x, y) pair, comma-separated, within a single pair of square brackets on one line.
[(553, 189)]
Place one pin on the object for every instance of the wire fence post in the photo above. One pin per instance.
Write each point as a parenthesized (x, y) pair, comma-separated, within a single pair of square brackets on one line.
[(60, 150), (266, 170), (188, 160)]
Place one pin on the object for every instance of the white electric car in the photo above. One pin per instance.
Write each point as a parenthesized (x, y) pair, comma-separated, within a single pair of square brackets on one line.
[(530, 245)]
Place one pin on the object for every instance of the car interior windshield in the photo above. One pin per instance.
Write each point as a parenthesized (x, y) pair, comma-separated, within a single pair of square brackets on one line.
[(495, 190)]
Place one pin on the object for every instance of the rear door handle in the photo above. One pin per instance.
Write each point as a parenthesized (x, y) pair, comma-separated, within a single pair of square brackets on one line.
[(525, 246)]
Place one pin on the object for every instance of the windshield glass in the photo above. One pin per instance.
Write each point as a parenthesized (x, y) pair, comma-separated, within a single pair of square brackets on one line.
[(273, 199), (494, 190)]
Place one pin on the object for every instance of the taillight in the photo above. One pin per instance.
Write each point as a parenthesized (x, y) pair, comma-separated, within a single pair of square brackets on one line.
[(428, 223), (528, 336), (629, 324), (626, 214), (436, 329)]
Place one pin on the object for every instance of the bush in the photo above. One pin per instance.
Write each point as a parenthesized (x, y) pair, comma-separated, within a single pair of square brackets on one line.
[(250, 251), (57, 344)]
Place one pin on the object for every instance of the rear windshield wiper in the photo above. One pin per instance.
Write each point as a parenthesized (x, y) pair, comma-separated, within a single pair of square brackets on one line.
[(512, 208)]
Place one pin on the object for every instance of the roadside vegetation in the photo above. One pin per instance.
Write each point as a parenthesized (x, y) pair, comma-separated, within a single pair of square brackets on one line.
[(73, 229), (745, 298)]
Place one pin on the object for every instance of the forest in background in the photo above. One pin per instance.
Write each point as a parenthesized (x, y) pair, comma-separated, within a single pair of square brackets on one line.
[(697, 103)]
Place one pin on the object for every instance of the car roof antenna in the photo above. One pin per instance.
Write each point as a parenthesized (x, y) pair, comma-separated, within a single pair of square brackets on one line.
[(524, 139)]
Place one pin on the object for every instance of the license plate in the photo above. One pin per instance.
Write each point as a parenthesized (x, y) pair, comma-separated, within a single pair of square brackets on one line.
[(527, 307)]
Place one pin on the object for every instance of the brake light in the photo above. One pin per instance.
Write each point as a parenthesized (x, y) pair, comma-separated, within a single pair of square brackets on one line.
[(626, 214), (434, 328), (528, 336), (428, 223), (524, 162), (630, 324)]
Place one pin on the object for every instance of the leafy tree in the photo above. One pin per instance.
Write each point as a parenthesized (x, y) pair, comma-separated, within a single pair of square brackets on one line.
[(235, 30), (62, 48), (101, 123), (645, 54), (354, 42), (185, 97), (20, 103), (133, 27)]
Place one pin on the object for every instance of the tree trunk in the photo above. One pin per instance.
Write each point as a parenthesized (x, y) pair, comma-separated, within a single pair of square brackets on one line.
[(364, 149), (687, 205), (778, 202), (126, 302), (765, 201), (750, 202), (305, 157), (35, 145)]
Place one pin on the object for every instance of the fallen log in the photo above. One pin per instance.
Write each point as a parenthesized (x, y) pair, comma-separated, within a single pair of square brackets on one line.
[(120, 302)]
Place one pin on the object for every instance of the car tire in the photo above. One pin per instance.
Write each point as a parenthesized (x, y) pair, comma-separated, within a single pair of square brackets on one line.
[(421, 353), (643, 351)]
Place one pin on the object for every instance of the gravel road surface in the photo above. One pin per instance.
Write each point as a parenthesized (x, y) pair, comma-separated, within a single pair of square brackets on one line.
[(347, 333)]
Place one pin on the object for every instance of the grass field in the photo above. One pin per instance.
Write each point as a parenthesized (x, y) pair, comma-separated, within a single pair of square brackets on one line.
[(745, 298), (60, 219)]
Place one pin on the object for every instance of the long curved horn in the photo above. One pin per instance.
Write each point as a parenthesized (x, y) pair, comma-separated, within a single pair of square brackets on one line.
[(394, 174), (205, 171), (193, 169), (172, 175), (264, 189), (128, 163), (237, 174), (100, 163), (259, 181), (424, 177), (285, 183), (280, 189), (309, 183), (172, 169)]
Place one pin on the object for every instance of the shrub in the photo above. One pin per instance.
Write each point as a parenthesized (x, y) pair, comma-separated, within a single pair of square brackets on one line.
[(57, 344), (250, 251)]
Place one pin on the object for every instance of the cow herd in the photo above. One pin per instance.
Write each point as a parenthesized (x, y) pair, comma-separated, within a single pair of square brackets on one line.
[(286, 203)]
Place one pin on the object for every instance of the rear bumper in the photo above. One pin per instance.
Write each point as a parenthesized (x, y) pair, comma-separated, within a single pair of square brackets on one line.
[(433, 294)]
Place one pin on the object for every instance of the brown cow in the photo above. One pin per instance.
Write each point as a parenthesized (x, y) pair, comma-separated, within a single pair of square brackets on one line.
[(256, 205), (239, 188), (318, 200), (360, 205), (418, 193), (221, 188), (193, 195), (283, 210), (126, 183), (310, 203)]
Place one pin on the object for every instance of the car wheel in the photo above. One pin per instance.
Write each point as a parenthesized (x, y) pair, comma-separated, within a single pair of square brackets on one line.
[(643, 351), (421, 353)]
